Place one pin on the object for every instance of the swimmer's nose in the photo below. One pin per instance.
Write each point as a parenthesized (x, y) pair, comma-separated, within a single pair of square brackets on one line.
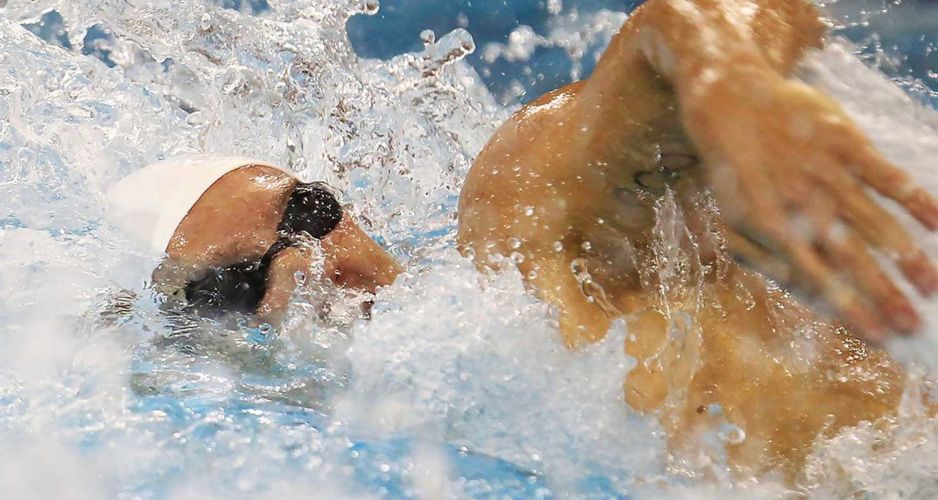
[(354, 260)]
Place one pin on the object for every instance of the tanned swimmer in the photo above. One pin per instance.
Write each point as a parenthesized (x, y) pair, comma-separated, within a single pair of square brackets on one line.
[(237, 231), (695, 97)]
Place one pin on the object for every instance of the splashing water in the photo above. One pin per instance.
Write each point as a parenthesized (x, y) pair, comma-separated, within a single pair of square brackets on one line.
[(459, 386)]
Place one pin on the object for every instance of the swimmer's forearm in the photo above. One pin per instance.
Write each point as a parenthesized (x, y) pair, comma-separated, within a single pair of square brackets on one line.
[(689, 42)]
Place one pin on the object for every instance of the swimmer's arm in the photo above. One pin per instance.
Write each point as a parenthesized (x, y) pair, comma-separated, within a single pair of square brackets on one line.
[(686, 40), (784, 162), (282, 282)]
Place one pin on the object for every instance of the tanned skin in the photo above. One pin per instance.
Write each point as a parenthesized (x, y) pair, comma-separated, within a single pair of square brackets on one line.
[(697, 96), (236, 220)]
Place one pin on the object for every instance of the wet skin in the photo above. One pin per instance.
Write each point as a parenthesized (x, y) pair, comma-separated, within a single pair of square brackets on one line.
[(694, 96), (236, 220)]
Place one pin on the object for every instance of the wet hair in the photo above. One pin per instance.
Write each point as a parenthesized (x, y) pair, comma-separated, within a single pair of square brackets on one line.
[(312, 209)]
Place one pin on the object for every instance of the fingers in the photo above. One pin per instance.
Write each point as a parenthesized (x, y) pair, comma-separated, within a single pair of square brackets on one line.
[(877, 226), (890, 181), (854, 282), (747, 250), (849, 253), (920, 270), (839, 293), (770, 221), (811, 211)]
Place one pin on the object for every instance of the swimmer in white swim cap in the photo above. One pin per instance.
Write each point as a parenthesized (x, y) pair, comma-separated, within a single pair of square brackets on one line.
[(696, 98), (235, 233)]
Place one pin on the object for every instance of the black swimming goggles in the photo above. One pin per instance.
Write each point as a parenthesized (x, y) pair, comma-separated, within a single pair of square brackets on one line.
[(312, 209)]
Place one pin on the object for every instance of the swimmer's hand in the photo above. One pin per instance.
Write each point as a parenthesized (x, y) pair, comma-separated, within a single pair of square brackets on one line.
[(790, 171)]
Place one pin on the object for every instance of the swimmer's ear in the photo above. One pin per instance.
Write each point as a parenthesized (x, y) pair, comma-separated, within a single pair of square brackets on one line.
[(581, 321)]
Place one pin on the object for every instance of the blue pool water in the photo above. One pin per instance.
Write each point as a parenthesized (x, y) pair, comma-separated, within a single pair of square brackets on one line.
[(905, 32)]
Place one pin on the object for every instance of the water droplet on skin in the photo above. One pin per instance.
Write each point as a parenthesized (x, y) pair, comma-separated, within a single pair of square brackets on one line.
[(517, 257), (514, 243), (558, 246), (529, 211), (587, 246), (532, 275)]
